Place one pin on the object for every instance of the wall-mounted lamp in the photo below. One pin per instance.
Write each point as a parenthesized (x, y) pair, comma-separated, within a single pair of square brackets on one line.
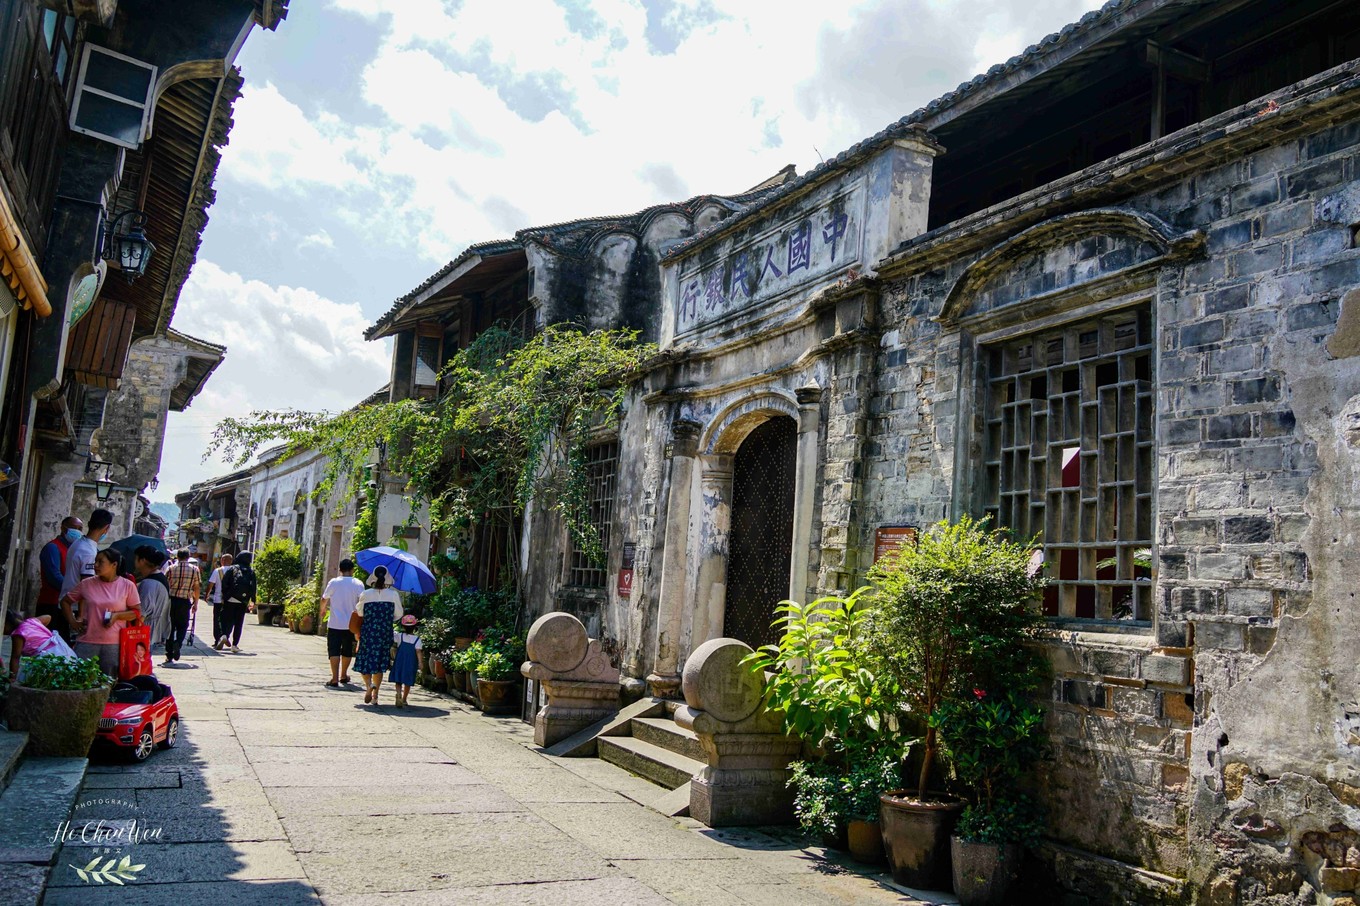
[(103, 485), (126, 243), (153, 484)]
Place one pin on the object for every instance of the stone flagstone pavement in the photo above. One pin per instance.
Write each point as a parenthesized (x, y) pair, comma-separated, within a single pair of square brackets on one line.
[(285, 792)]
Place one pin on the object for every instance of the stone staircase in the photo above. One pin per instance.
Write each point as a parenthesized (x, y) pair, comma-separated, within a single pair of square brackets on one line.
[(644, 740), (37, 797)]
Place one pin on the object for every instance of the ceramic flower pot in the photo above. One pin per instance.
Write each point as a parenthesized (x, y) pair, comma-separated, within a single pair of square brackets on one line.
[(58, 724), (497, 696), (916, 837), (985, 874), (440, 671), (458, 680), (865, 839)]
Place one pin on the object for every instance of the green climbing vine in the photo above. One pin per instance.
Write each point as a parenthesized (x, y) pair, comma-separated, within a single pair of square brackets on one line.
[(512, 423)]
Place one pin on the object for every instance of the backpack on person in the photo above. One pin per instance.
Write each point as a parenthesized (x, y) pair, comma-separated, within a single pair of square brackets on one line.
[(238, 584)]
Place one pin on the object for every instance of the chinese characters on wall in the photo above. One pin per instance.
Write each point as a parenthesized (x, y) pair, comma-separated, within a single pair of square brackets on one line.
[(792, 254)]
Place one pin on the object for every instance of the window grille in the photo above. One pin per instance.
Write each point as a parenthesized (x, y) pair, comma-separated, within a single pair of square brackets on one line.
[(1069, 455), (602, 466)]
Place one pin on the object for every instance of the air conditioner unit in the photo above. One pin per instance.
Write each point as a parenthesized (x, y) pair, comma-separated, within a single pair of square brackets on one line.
[(113, 97)]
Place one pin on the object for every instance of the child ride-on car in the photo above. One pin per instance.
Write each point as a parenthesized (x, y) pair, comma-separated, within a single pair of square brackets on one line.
[(141, 713)]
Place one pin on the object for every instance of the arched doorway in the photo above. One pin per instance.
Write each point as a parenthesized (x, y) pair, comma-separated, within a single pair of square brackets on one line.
[(763, 475)]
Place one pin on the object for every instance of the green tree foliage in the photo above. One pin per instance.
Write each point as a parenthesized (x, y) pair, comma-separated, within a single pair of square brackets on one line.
[(277, 565), (950, 614), (512, 423)]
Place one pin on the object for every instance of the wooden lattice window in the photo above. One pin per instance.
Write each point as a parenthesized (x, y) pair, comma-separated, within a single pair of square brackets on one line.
[(1069, 456), (602, 466)]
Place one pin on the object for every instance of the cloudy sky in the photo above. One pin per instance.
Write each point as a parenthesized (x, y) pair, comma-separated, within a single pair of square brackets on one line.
[(376, 139)]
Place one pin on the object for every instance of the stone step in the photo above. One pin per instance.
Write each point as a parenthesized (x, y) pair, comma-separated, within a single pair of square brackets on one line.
[(660, 766), (11, 750), (37, 803), (667, 734)]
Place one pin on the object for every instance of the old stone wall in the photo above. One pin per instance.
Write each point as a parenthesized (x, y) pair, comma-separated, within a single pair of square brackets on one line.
[(1214, 749)]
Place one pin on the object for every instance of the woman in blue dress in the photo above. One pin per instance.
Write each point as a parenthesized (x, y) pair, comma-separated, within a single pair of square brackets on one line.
[(378, 608), (403, 674)]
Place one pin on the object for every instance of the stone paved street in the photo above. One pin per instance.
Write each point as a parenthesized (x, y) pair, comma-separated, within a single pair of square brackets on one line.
[(283, 791)]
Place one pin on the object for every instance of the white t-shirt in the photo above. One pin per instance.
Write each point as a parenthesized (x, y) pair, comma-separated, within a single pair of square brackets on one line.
[(343, 593), (79, 563), (398, 637), (381, 594), (215, 585)]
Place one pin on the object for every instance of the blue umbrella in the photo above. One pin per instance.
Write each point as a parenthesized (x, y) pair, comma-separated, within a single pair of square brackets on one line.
[(405, 570)]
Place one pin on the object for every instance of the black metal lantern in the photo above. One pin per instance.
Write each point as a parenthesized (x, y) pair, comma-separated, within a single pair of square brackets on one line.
[(127, 244)]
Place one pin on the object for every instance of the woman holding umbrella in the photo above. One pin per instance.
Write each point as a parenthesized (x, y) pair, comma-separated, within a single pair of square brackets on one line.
[(371, 623)]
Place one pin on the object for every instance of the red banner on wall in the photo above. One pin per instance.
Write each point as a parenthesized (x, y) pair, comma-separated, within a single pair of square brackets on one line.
[(625, 587)]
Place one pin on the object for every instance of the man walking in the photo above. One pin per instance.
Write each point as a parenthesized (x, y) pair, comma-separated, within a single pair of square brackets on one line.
[(215, 598), (53, 562), (80, 555), (339, 598), (238, 591), (184, 585)]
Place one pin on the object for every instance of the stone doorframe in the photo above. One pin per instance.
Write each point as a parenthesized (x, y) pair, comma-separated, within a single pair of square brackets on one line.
[(699, 536)]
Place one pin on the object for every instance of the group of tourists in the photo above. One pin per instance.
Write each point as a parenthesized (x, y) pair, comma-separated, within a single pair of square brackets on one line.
[(359, 627), (88, 594)]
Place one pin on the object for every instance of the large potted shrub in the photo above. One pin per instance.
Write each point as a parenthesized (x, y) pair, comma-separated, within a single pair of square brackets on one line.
[(58, 702), (277, 565), (994, 738), (948, 614), (818, 677)]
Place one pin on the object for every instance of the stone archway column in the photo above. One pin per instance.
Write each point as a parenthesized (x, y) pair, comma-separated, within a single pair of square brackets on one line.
[(664, 681), (805, 489), (715, 531)]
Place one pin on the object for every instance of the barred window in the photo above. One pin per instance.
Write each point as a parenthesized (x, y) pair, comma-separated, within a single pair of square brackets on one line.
[(602, 464), (1069, 455)]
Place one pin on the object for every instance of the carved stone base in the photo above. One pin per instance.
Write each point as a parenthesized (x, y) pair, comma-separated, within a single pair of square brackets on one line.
[(724, 798), (573, 706), (667, 686)]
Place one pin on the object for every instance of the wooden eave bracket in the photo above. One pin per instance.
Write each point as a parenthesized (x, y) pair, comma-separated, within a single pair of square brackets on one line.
[(18, 267)]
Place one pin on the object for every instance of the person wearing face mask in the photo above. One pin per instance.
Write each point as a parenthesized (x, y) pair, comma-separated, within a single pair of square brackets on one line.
[(53, 562)]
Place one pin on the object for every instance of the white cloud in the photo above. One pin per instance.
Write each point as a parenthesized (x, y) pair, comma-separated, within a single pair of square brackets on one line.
[(566, 108), (487, 117), (286, 347)]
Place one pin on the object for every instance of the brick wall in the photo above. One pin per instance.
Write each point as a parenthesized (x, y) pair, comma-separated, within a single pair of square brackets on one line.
[(1241, 672)]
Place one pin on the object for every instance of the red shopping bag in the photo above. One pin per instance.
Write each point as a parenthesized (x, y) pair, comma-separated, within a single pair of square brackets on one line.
[(134, 651)]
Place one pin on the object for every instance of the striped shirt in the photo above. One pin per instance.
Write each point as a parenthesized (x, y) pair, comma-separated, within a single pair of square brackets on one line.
[(183, 579)]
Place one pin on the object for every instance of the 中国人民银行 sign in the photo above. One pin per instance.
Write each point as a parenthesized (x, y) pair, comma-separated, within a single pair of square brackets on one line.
[(818, 242)]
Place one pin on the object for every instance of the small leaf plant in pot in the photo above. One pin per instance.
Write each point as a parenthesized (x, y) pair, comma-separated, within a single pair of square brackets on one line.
[(816, 675), (947, 615), (58, 701), (994, 738)]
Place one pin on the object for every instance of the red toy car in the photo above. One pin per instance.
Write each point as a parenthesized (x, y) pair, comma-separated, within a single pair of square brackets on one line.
[(140, 714)]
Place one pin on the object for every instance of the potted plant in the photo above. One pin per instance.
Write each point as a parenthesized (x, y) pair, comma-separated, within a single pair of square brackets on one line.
[(947, 613), (471, 659), (436, 635), (817, 675), (301, 609), (58, 701), (496, 682), (994, 738), (456, 663)]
